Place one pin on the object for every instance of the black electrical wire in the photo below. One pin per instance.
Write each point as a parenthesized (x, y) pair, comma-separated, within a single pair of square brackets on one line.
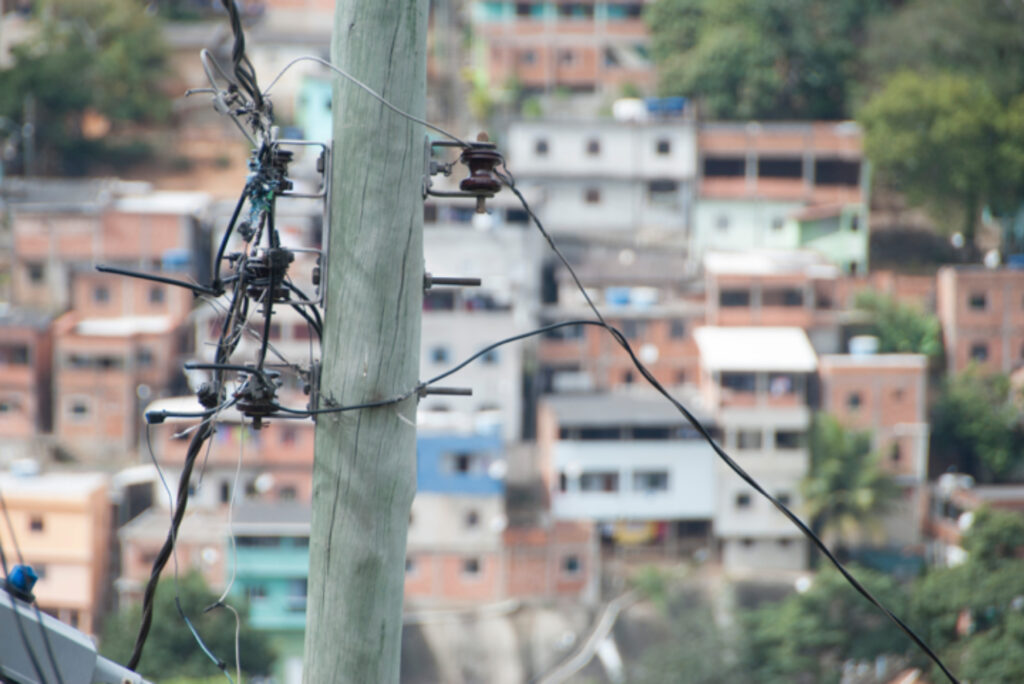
[(217, 282), (33, 658), (244, 71), (509, 181), (225, 346)]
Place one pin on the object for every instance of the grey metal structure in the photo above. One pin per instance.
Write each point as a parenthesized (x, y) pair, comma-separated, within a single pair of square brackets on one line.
[(74, 653)]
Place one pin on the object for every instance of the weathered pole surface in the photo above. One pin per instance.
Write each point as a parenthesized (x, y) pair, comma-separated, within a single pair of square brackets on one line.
[(364, 475)]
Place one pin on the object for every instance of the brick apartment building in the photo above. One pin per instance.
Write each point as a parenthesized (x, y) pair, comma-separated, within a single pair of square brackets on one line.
[(583, 47), (25, 377), (982, 315)]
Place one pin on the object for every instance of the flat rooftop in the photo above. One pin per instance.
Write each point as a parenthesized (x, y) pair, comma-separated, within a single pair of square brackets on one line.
[(756, 349)]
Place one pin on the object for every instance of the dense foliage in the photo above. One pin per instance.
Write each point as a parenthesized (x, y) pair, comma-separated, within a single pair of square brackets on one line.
[(171, 650), (976, 426), (100, 61), (900, 327), (846, 491)]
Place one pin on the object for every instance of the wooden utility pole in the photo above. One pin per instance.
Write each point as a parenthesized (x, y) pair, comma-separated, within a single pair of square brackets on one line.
[(364, 475)]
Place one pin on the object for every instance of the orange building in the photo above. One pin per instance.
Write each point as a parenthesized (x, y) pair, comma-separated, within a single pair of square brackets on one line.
[(62, 525)]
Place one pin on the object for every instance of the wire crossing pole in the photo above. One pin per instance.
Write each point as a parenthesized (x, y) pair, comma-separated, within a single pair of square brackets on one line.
[(364, 474)]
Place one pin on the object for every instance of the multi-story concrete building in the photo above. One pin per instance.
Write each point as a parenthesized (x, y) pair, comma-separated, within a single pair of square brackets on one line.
[(25, 380), (982, 316), (782, 185), (61, 227), (581, 47), (885, 395), (628, 459), (775, 288), (753, 382), (640, 291), (610, 179), (62, 526)]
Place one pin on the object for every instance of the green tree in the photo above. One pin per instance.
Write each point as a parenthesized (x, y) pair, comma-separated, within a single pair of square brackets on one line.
[(846, 492), (994, 536), (973, 614), (901, 328), (766, 60), (808, 636), (981, 39), (975, 426), (171, 650), (948, 143), (106, 57)]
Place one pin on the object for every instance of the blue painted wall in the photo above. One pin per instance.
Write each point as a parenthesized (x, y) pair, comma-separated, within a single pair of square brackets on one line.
[(458, 464)]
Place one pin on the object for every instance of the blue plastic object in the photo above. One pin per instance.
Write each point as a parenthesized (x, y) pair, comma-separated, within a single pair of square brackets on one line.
[(22, 579)]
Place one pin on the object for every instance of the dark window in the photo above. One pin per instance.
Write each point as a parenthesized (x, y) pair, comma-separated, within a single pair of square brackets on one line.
[(593, 147), (724, 167), (523, 9), (288, 434), (14, 355), (979, 351), (287, 493), (439, 354), (734, 298), (836, 172), (855, 223), (256, 542), (275, 331), (471, 566), (748, 439), (79, 409), (575, 10), (566, 57), (618, 10), (780, 167), (527, 57), (747, 542), (742, 500), (571, 565), (663, 146), (790, 439), (722, 223), (600, 433), (783, 297), (853, 401), (652, 432), (592, 196), (101, 294), (36, 272), (430, 213), (784, 542), (156, 295), (225, 492), (633, 328), (783, 498), (662, 186), (599, 482), (462, 462), (35, 523), (256, 591), (650, 480), (472, 519), (563, 482), (300, 331), (490, 357), (894, 452), (144, 357), (977, 301), (778, 222), (739, 382), (610, 58), (410, 565), (540, 147), (627, 378), (516, 216), (677, 329), (439, 300)]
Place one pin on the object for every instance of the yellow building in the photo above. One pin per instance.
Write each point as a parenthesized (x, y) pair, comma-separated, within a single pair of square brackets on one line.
[(62, 525)]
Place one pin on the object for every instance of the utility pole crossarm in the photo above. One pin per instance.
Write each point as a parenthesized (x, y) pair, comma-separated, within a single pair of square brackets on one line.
[(364, 474)]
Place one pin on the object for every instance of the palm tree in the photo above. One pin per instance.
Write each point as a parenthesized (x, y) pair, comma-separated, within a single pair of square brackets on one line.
[(846, 492)]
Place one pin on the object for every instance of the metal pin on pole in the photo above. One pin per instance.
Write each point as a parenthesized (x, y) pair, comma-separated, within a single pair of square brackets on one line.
[(430, 280)]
